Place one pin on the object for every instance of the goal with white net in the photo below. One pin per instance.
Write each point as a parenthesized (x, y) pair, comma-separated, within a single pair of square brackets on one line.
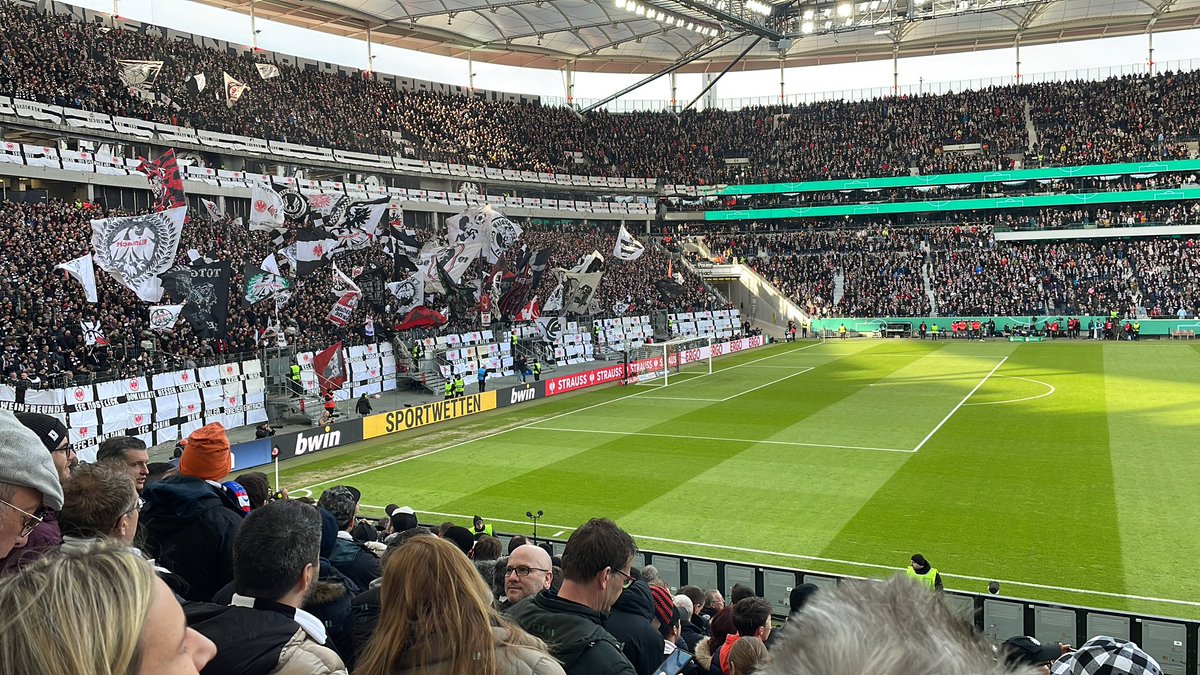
[(659, 364)]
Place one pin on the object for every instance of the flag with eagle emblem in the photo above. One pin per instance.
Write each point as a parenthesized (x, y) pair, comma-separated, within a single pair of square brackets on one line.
[(136, 250)]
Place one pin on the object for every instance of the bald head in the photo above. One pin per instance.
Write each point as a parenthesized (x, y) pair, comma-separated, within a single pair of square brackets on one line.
[(535, 561)]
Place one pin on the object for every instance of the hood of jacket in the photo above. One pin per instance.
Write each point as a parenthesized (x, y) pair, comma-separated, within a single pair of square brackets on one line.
[(178, 500), (636, 600)]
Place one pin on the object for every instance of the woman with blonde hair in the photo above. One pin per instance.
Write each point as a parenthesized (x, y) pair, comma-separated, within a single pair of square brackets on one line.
[(95, 610), (436, 618), (747, 655)]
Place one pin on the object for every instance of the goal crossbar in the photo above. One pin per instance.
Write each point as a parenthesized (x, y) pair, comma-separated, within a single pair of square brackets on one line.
[(656, 364)]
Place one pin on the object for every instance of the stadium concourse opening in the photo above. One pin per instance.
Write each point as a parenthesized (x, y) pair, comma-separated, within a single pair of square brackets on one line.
[(284, 345)]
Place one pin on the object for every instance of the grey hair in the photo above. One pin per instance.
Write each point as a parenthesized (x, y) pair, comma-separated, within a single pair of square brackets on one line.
[(650, 573), (895, 627), (273, 546)]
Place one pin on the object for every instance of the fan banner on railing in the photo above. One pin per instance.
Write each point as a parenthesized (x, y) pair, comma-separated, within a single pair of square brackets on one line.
[(203, 289), (135, 250)]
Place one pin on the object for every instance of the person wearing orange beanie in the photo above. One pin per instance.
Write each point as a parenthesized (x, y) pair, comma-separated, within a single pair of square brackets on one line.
[(190, 521), (206, 455)]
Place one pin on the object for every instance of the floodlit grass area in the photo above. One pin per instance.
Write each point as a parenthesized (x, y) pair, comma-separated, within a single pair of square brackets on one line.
[(1066, 470)]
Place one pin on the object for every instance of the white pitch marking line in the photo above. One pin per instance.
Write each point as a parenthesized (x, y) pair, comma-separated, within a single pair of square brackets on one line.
[(522, 426), (850, 563), (559, 533), (1027, 398), (960, 404), (767, 384), (718, 438)]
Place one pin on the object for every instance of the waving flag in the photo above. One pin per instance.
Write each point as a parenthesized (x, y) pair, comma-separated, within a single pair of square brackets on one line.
[(165, 182), (84, 272), (266, 208), (628, 247), (233, 90), (421, 317), (136, 250), (266, 70), (330, 368), (214, 211), (409, 293)]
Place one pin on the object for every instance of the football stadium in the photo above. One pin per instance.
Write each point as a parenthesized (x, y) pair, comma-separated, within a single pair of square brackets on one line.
[(642, 337)]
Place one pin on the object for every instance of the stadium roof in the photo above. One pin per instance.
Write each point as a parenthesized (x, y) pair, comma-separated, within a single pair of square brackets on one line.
[(645, 36)]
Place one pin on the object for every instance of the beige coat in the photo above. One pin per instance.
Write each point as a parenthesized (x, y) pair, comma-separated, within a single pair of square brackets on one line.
[(524, 661), (302, 656)]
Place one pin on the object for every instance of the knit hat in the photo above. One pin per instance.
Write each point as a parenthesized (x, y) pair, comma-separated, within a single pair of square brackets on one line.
[(341, 502), (49, 429), (1103, 655), (206, 455), (664, 605), (460, 537), (329, 530), (24, 462)]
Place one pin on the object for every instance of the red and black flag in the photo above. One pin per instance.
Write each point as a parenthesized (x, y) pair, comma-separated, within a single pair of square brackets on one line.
[(165, 181)]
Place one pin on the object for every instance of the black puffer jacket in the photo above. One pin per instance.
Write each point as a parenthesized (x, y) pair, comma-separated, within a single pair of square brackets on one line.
[(190, 527), (629, 622), (574, 633)]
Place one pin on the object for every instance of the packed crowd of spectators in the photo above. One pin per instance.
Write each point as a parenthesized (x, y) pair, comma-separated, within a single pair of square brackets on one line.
[(52, 59), (180, 568), (41, 310), (970, 273)]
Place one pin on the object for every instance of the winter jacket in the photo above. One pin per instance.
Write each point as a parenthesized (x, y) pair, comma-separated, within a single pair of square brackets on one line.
[(260, 641), (518, 661), (355, 561), (629, 623), (364, 616), (574, 633), (190, 526), (691, 635), (329, 601)]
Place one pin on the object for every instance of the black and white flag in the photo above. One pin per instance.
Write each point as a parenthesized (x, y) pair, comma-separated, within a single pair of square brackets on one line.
[(549, 328), (163, 317), (359, 226), (203, 290), (266, 70), (500, 235), (628, 247), (266, 208), (578, 290), (408, 293), (196, 83), (136, 250), (469, 228), (214, 211), (233, 90), (139, 74), (314, 247), (262, 284), (83, 271), (93, 334)]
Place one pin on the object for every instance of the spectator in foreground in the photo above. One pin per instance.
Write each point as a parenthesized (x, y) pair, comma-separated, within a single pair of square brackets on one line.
[(688, 632), (596, 565), (128, 452), (630, 622), (364, 609), (264, 630), (120, 617), (28, 483), (529, 571), (349, 556), (46, 536), (465, 636), (747, 656), (190, 521), (98, 502), (1108, 656), (873, 627)]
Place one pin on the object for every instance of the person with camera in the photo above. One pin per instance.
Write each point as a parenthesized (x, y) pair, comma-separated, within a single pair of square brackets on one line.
[(265, 430)]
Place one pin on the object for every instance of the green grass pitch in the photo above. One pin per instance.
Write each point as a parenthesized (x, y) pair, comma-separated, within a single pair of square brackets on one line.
[(1065, 470)]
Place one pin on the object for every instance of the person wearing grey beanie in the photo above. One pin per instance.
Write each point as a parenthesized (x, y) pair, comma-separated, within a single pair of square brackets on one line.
[(28, 483)]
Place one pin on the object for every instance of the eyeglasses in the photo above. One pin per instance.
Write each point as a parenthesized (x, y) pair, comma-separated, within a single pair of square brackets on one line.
[(522, 571), (31, 521), (628, 579), (67, 450)]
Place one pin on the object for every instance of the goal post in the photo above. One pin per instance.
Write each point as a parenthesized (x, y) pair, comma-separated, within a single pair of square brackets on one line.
[(657, 364)]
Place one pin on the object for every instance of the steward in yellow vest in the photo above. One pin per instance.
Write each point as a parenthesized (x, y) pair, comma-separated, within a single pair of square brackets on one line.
[(922, 572)]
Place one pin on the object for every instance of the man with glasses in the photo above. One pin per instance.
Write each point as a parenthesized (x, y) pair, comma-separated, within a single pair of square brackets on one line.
[(529, 572), (595, 569), (46, 536), (28, 483)]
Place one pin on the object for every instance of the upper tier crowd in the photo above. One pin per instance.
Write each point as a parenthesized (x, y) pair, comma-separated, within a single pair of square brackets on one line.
[(175, 568), (893, 271), (41, 310), (52, 59)]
